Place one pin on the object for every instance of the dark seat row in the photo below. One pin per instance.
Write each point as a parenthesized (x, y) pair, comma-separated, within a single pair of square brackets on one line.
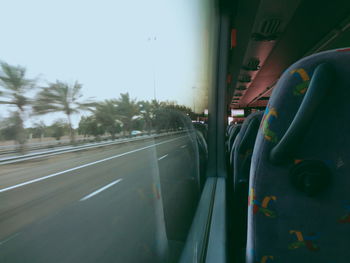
[(240, 154), (298, 179)]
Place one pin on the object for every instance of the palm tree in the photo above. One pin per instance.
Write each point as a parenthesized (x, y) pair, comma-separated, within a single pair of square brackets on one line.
[(62, 97), (127, 110), (14, 85), (58, 128), (39, 129), (90, 126), (107, 115), (147, 112)]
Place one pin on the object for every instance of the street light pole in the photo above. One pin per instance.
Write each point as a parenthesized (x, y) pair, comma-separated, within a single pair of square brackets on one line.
[(153, 65), (154, 84), (194, 99)]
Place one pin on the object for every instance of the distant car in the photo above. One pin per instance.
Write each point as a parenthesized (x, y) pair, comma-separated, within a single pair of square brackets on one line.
[(135, 133)]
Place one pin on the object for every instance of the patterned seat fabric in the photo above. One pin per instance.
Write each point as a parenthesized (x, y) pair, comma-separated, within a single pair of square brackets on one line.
[(242, 152), (287, 222)]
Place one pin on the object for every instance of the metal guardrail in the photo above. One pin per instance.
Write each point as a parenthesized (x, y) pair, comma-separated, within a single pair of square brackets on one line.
[(13, 148), (18, 158)]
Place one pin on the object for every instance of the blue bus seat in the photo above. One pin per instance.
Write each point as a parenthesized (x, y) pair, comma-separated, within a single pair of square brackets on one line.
[(299, 198), (233, 134), (242, 153)]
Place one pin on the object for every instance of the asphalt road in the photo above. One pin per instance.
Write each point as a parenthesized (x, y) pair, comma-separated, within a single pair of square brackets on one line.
[(132, 202)]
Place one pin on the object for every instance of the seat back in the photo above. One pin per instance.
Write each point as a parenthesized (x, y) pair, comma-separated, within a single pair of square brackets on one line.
[(203, 157), (243, 150), (233, 134), (242, 153), (299, 200), (228, 130)]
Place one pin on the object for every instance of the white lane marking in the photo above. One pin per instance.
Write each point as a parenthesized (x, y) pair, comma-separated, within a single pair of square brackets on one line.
[(84, 165), (162, 157), (100, 190), (183, 146), (8, 239)]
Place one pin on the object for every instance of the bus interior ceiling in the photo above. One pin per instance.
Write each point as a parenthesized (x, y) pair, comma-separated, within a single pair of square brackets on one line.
[(268, 36)]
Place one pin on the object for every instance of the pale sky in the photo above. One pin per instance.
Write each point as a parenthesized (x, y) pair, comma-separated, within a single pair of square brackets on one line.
[(112, 46)]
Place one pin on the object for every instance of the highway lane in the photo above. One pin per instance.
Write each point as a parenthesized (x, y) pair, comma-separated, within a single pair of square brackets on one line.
[(15, 174), (148, 197)]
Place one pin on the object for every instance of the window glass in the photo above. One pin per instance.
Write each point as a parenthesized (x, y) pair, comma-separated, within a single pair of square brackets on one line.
[(102, 127)]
